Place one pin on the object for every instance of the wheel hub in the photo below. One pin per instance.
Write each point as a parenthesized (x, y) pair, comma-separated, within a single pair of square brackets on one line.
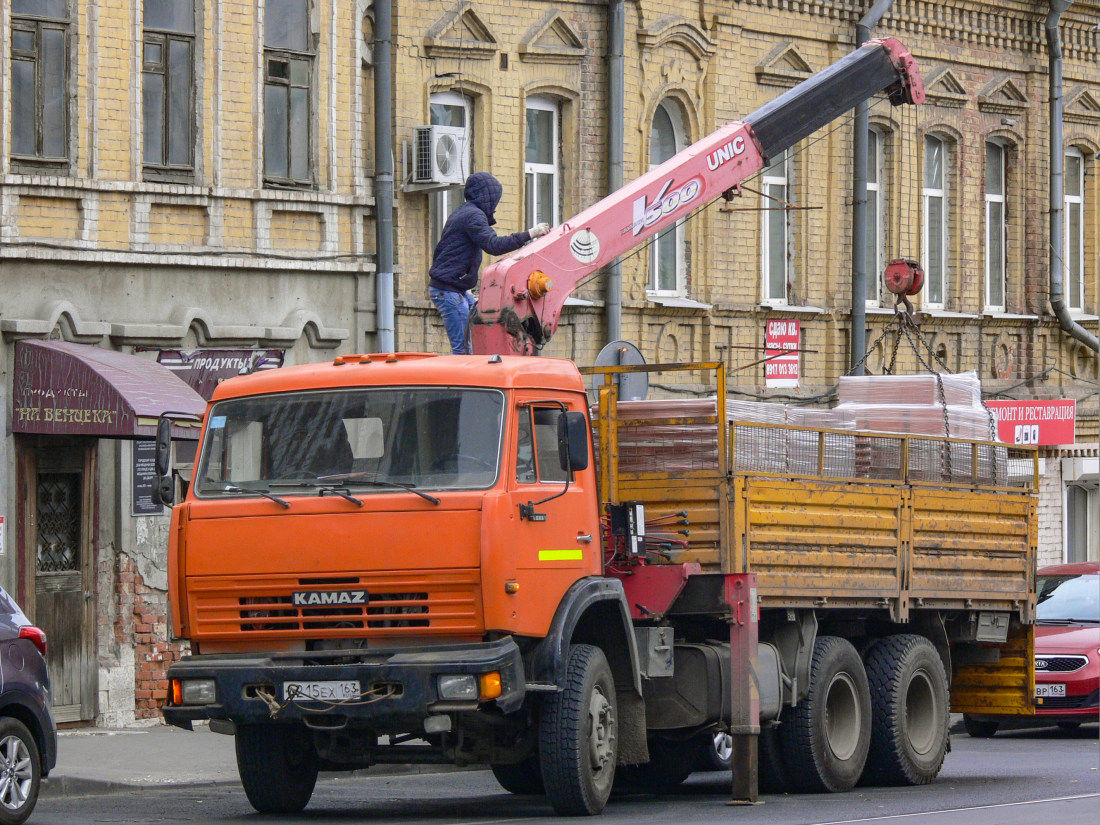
[(601, 726)]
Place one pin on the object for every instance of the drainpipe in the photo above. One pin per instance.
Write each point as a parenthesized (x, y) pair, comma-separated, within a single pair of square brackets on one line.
[(383, 172), (1057, 180), (859, 203), (616, 36)]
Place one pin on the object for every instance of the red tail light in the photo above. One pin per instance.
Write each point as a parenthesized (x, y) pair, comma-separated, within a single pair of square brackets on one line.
[(37, 637)]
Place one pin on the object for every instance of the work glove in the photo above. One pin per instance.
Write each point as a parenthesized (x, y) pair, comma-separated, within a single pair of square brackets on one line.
[(538, 230)]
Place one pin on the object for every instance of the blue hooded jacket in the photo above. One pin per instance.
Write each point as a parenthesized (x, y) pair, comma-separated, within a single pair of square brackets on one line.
[(457, 256)]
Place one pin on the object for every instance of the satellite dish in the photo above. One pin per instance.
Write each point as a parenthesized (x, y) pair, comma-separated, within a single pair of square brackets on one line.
[(633, 386)]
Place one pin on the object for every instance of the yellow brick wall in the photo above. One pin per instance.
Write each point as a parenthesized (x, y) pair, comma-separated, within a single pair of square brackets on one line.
[(295, 230), (57, 218), (177, 225)]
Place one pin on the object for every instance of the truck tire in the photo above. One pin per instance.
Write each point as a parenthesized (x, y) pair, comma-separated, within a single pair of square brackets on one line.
[(521, 778), (979, 728), (909, 711), (278, 767), (578, 735), (827, 735)]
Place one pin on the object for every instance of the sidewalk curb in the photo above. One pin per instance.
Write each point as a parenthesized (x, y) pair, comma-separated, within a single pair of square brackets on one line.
[(65, 785)]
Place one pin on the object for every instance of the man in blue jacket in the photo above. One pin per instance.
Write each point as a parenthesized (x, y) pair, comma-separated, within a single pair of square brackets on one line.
[(457, 256)]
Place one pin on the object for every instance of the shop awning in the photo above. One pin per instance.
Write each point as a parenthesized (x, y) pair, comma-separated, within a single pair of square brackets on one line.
[(62, 388)]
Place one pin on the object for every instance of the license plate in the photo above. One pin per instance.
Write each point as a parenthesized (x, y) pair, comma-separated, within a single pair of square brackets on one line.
[(1049, 691), (323, 691)]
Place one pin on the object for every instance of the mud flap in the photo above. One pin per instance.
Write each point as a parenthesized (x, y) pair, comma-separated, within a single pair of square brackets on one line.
[(1002, 688)]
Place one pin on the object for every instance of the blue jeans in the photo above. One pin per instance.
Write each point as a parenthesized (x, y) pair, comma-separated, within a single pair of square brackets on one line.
[(455, 309)]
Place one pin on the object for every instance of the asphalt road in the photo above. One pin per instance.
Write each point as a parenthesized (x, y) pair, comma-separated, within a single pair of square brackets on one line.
[(1049, 777)]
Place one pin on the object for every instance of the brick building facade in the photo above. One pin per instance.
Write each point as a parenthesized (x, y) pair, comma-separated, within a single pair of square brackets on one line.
[(175, 182)]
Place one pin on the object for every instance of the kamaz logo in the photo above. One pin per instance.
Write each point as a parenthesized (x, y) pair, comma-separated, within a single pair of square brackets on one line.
[(326, 598)]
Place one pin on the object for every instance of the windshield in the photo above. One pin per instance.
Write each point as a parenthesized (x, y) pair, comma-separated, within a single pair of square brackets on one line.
[(367, 440), (1069, 598)]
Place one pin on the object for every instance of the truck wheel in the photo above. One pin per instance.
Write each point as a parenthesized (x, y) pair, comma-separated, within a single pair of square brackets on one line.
[(979, 728), (521, 778), (578, 735), (278, 767), (826, 738), (909, 714)]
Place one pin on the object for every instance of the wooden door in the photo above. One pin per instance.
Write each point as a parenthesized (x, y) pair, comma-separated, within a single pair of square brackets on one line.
[(58, 516)]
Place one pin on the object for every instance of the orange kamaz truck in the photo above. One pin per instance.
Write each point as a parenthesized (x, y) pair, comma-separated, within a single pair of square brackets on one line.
[(477, 559), (388, 548)]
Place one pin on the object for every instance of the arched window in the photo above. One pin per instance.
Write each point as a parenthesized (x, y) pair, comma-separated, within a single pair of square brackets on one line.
[(451, 109), (542, 161), (776, 231), (1073, 216), (875, 261), (667, 258), (995, 225), (937, 218)]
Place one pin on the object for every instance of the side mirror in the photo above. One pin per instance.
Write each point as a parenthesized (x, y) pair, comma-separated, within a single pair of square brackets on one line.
[(163, 459), (573, 441), (162, 490)]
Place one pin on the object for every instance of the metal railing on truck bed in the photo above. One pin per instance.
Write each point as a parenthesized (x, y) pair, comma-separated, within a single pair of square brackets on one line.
[(826, 518)]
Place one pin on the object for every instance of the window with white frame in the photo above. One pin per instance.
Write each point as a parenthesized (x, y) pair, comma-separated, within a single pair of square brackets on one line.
[(1082, 533), (1073, 216), (450, 109), (936, 219), (167, 86), (40, 65), (875, 252), (995, 226), (541, 161), (667, 252), (289, 57), (775, 231)]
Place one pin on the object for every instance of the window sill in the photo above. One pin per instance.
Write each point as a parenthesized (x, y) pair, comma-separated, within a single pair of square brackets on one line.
[(578, 302), (1007, 316), (676, 301), (792, 309), (943, 313)]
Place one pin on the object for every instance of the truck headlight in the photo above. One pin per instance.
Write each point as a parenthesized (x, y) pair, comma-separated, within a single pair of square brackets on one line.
[(197, 691), (458, 687)]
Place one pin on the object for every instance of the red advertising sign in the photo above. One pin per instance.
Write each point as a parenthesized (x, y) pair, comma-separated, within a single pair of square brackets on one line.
[(781, 351), (1035, 422)]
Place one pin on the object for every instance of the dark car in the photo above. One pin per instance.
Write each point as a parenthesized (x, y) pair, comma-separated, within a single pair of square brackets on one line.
[(1067, 649), (28, 736)]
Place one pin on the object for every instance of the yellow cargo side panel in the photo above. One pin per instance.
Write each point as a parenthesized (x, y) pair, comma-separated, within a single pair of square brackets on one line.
[(1007, 687)]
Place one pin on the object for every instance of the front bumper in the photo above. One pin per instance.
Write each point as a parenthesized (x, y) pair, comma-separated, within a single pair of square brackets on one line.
[(408, 677)]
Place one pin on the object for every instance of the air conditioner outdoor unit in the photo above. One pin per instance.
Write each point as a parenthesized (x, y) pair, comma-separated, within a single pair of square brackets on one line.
[(441, 154)]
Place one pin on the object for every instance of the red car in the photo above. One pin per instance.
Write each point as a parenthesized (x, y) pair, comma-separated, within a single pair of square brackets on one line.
[(1067, 649)]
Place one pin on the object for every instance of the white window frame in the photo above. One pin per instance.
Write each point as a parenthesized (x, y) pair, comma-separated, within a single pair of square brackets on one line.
[(875, 253), (531, 171), (1075, 302), (674, 234), (446, 200), (929, 194), (777, 177), (1088, 489), (996, 275)]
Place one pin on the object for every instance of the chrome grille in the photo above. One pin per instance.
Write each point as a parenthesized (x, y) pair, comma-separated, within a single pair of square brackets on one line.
[(1059, 664)]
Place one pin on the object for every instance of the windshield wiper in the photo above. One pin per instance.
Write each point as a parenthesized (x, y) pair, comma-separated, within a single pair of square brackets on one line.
[(326, 485), (232, 488), (332, 489), (1067, 621), (361, 478)]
